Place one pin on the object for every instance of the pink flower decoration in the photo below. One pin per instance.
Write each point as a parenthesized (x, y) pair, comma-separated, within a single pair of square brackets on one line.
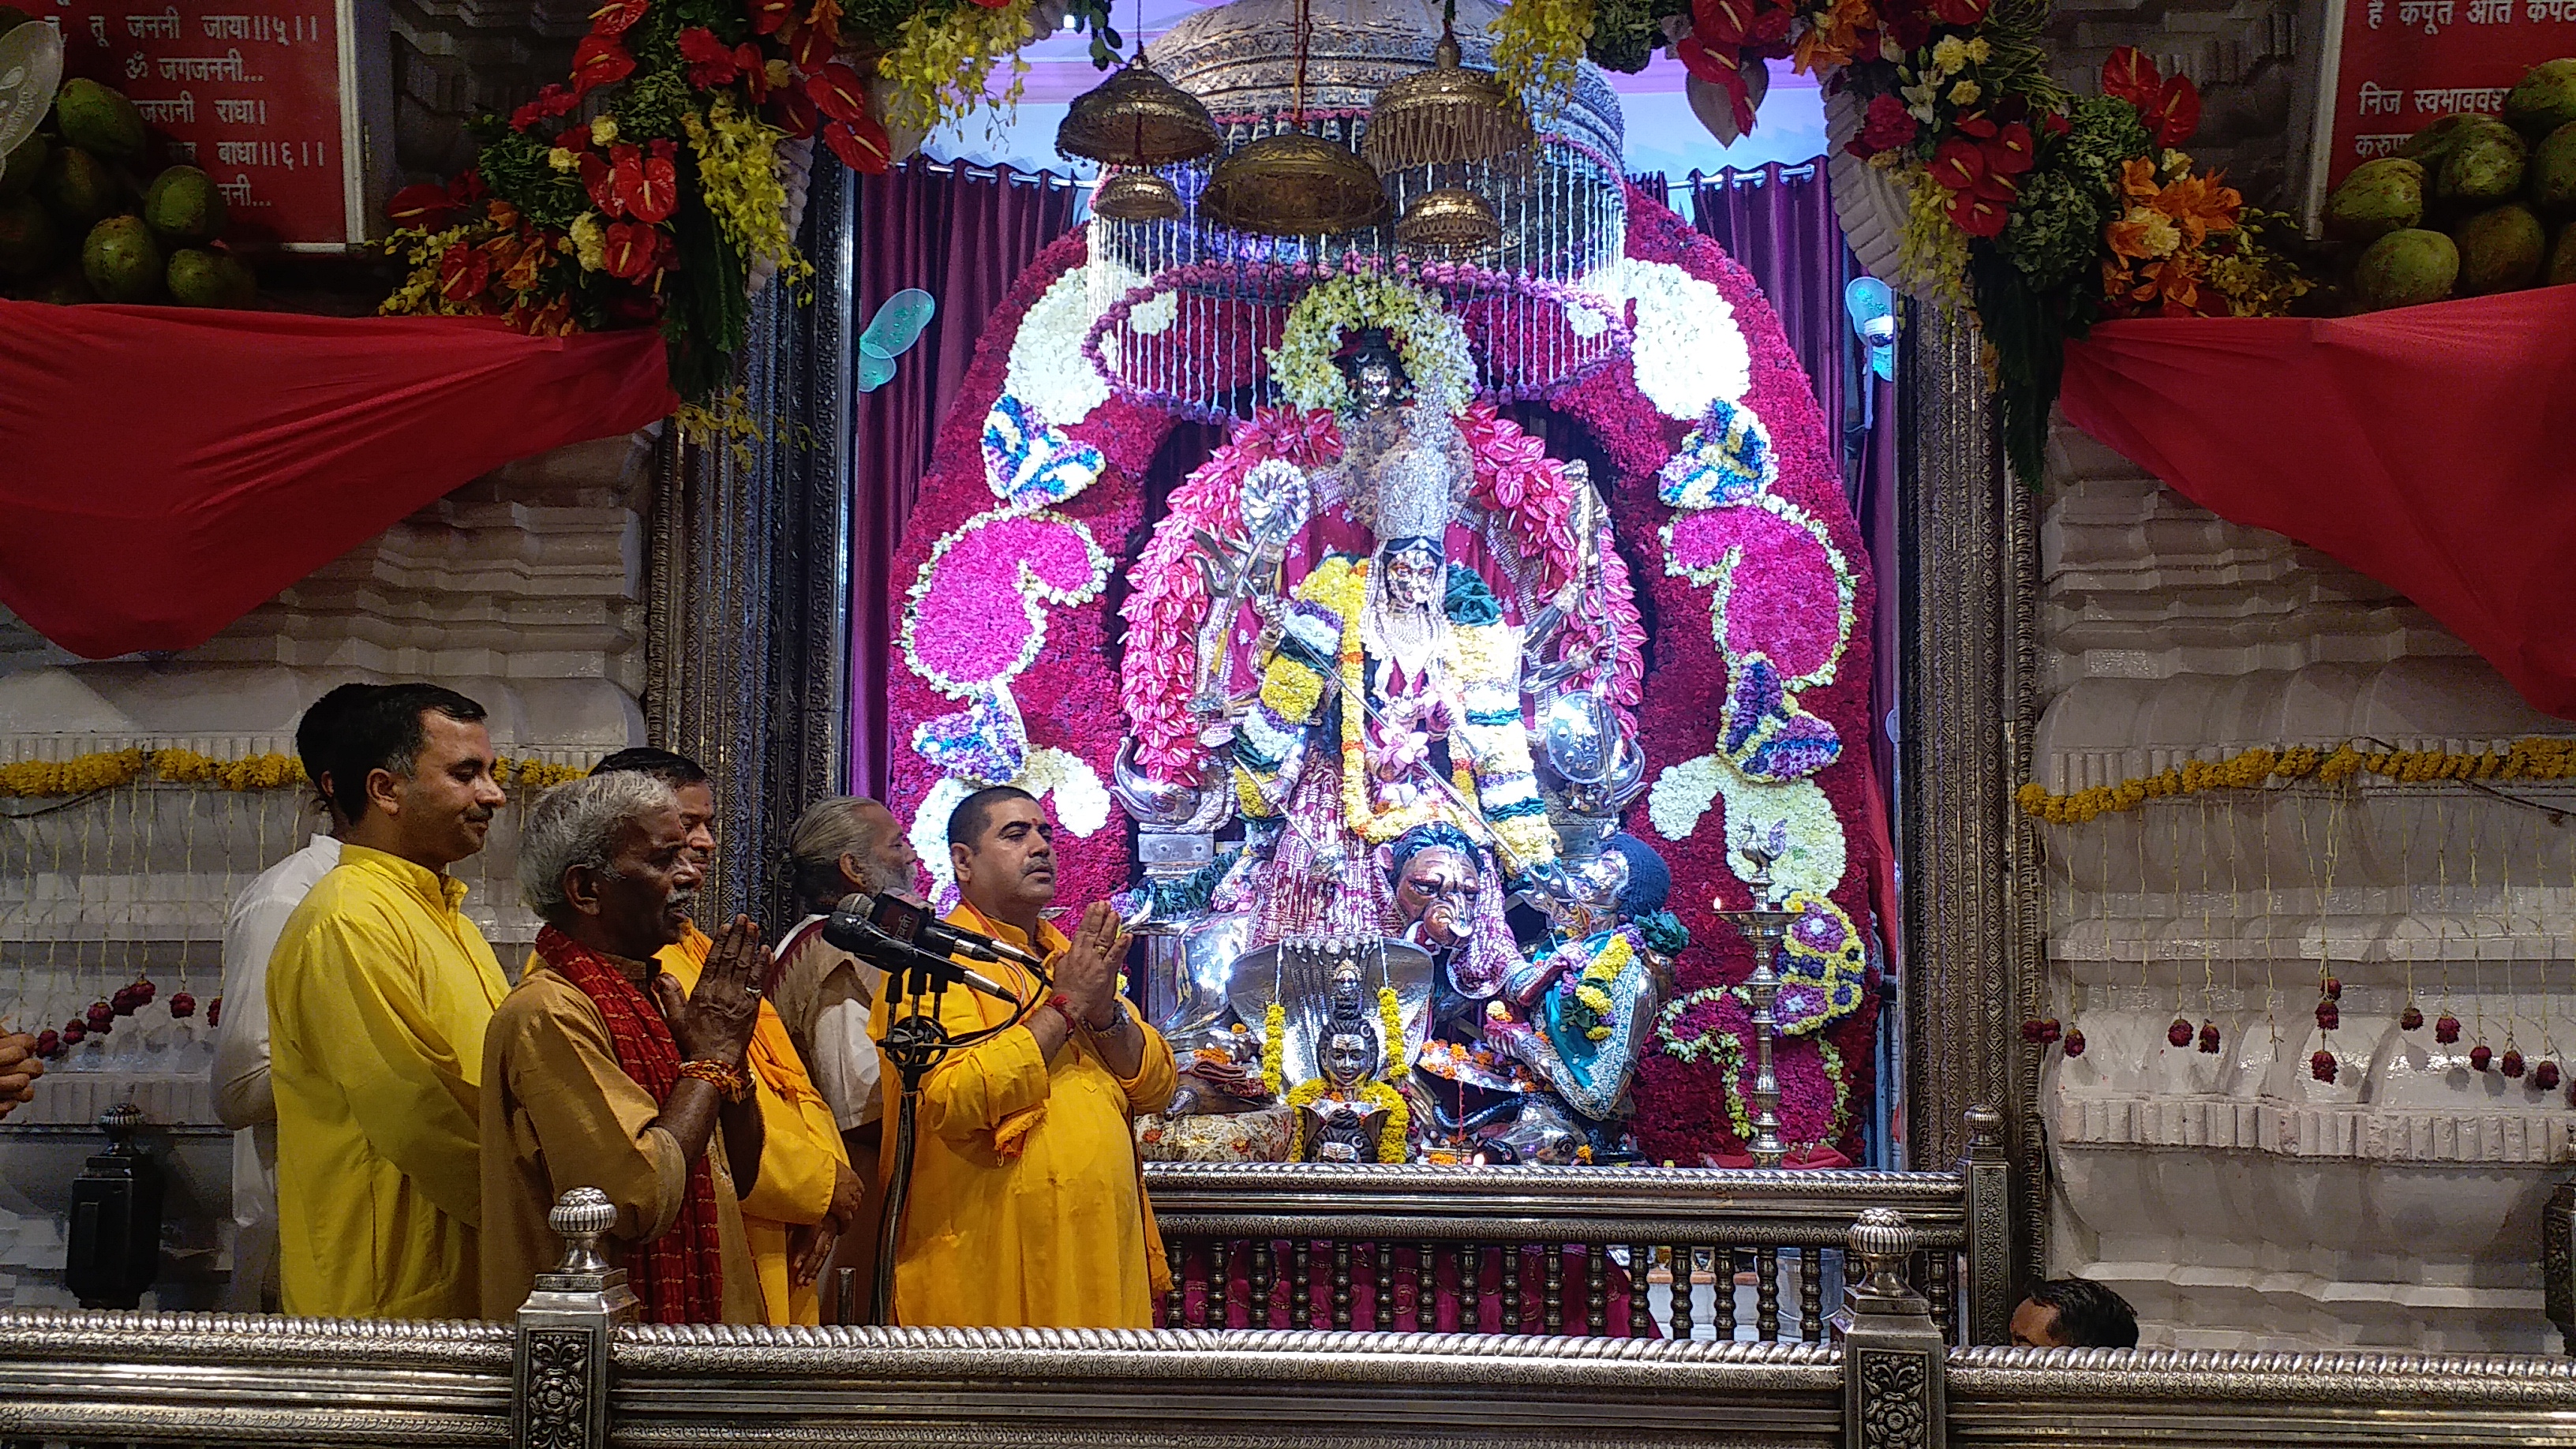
[(1783, 594), (953, 634)]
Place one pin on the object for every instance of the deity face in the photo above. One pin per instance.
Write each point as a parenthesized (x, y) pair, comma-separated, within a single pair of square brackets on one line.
[(1414, 576), (1346, 1058), (1438, 888), (1376, 383)]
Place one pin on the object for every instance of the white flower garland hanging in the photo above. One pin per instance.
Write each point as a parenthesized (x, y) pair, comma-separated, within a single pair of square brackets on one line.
[(1689, 350), (1431, 342), (1793, 823)]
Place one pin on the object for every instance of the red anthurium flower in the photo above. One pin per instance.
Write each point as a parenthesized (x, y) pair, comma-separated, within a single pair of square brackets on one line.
[(1714, 64), (463, 274), (710, 61), (629, 250), (1961, 13), (2130, 76), (1958, 164), (2011, 152), (1996, 188), (861, 144), (600, 180), (992, 4), (755, 70), (655, 193), (1977, 124), (617, 16), (1978, 215), (466, 187), (599, 60), (1723, 22), (426, 206), (796, 113), (2175, 112), (814, 48), (838, 92), (575, 137), (2057, 124), (768, 15)]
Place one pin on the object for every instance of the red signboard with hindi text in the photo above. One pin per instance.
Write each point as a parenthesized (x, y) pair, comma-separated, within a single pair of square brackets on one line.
[(257, 93), (2394, 67)]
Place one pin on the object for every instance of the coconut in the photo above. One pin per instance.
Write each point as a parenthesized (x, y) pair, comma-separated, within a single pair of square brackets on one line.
[(2544, 100), (121, 260), (2550, 178), (2483, 166), (25, 165), (27, 237), (2500, 250), (100, 119), (183, 205), (81, 189), (200, 278), (2377, 198), (2405, 268), (2435, 141)]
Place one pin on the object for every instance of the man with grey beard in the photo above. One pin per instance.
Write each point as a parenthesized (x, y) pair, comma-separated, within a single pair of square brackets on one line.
[(599, 1072)]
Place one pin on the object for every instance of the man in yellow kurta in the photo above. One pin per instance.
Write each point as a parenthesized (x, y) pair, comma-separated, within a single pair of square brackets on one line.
[(806, 1196), (1027, 1206), (378, 996)]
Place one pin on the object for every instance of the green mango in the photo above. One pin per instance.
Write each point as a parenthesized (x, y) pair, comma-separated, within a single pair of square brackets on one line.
[(2405, 268), (2551, 177), (81, 189), (93, 116), (25, 165), (122, 261), (2377, 198), (2544, 100), (28, 237), (201, 278), (183, 205), (2435, 141), (2500, 250), (2562, 259), (2483, 166)]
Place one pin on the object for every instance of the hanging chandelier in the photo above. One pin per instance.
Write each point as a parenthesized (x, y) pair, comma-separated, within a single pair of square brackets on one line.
[(1451, 218), (1290, 183), (1445, 115), (1136, 196), (1137, 118)]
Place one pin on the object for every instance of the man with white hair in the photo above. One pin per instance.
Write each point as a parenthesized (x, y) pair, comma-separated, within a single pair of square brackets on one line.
[(589, 1081)]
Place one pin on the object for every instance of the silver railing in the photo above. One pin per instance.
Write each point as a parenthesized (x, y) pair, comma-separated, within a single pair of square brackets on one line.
[(577, 1372), (1616, 1252)]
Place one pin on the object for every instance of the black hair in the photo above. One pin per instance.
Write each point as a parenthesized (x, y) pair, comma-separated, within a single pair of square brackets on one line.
[(1650, 881), (319, 729), (966, 823), (675, 770), (1423, 837), (2088, 1314), (383, 731), (1372, 344)]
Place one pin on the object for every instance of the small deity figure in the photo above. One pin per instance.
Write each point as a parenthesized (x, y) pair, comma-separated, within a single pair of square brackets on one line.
[(1346, 1114), (1579, 1015), (1390, 701)]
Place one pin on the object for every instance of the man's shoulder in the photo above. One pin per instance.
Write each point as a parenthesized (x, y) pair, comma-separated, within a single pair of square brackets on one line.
[(545, 1000), (291, 879)]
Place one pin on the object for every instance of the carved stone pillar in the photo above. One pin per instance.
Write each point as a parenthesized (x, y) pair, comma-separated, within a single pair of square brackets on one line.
[(1973, 903), (1894, 1362), (750, 565), (2558, 1261)]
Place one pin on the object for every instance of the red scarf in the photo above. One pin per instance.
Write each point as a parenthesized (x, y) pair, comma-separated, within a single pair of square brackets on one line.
[(679, 1275)]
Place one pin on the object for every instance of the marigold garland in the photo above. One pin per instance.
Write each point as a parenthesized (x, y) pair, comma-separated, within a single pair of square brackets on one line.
[(1390, 1020), (109, 769), (1274, 1046), (1393, 1141), (2537, 758)]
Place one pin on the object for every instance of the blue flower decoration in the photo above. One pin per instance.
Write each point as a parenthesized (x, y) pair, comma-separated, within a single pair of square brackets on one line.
[(1030, 462), (1727, 460)]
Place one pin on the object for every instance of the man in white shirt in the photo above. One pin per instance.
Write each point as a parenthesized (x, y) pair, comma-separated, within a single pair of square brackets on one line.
[(242, 1095)]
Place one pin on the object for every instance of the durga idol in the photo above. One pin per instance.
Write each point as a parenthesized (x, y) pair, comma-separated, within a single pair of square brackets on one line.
[(1390, 700)]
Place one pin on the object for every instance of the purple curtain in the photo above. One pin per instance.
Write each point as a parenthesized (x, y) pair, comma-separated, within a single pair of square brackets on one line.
[(964, 236), (1779, 222)]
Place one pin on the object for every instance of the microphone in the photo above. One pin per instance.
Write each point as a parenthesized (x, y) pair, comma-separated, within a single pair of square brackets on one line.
[(909, 919), (855, 933)]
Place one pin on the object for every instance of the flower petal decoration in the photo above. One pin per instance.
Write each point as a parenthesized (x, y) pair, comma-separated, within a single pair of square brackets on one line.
[(986, 743), (1728, 459), (1029, 462), (960, 632), (1764, 732)]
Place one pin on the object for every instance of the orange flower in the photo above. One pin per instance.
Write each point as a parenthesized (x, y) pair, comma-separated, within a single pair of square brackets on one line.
[(2138, 178), (1833, 35), (2143, 234), (2199, 205)]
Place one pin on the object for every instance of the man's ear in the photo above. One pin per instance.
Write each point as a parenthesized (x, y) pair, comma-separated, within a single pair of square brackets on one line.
[(959, 856), (581, 888), (384, 791)]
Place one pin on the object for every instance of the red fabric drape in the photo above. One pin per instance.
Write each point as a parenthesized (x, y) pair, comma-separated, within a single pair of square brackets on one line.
[(963, 239), (166, 471), (2426, 447)]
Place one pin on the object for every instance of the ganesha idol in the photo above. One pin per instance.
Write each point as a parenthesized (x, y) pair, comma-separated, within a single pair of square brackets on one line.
[(1379, 756)]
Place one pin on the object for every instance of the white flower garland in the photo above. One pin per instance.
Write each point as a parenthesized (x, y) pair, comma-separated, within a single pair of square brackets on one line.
[(1689, 351), (1081, 807), (1048, 369), (1431, 342), (1794, 823)]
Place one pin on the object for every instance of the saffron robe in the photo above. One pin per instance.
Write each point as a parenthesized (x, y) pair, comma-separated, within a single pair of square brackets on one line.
[(379, 993), (1028, 1207)]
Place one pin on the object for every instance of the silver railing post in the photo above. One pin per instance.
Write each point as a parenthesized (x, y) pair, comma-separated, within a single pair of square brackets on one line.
[(1893, 1356), (2558, 1261), (1987, 1173), (559, 1384)]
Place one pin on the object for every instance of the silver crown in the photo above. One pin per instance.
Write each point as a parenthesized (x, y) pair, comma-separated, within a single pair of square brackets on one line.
[(1413, 494)]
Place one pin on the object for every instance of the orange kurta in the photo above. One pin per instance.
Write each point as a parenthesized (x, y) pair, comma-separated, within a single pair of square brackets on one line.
[(800, 1154), (1027, 1208)]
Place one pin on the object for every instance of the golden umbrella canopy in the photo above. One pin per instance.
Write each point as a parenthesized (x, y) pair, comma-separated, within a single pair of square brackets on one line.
[(1444, 115), (1293, 184), (1136, 196), (1451, 218), (1136, 118)]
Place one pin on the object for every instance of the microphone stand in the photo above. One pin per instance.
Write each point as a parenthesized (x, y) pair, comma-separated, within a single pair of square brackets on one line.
[(916, 1042)]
